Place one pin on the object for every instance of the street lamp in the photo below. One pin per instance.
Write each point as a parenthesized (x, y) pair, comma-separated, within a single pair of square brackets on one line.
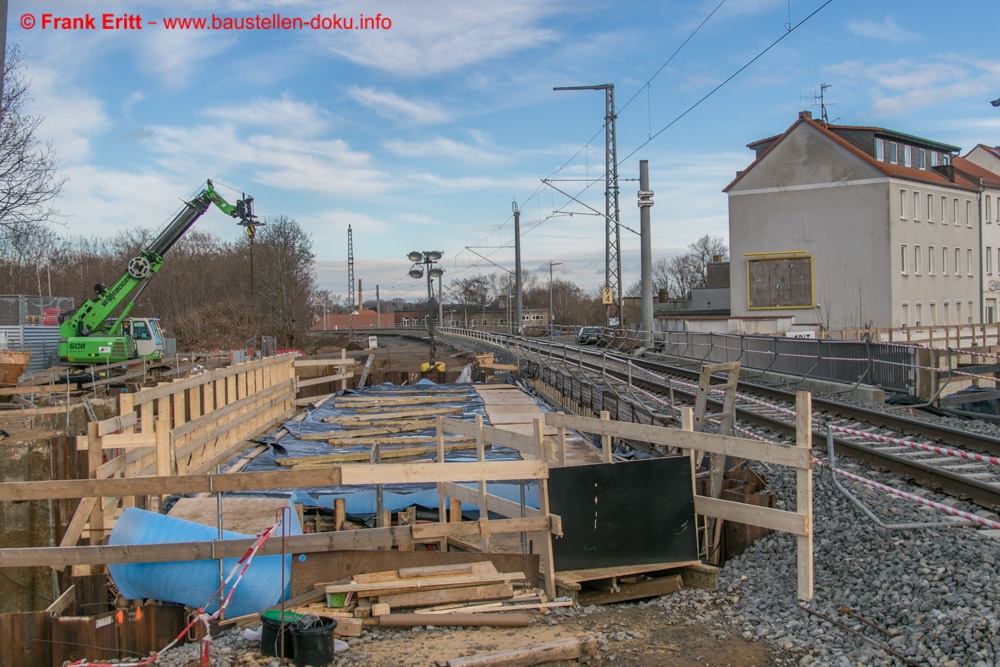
[(552, 329), (427, 259)]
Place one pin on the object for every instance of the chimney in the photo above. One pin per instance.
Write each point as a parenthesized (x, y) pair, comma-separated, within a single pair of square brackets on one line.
[(807, 115), (716, 258)]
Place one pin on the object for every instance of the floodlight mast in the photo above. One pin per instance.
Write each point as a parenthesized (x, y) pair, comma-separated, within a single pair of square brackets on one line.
[(427, 258)]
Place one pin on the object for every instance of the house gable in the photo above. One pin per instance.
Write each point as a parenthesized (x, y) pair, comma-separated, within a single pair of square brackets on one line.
[(804, 156)]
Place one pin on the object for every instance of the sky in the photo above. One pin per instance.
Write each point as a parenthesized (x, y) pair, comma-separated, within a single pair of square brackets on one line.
[(421, 130)]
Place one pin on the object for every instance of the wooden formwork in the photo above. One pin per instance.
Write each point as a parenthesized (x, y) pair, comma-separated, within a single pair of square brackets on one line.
[(185, 427)]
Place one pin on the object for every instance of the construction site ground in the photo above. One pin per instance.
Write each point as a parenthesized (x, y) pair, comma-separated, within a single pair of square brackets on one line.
[(685, 629)]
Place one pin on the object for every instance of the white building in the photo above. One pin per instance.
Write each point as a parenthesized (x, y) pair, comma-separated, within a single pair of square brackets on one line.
[(860, 227)]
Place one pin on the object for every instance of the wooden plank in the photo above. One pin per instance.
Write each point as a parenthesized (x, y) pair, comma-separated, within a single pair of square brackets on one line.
[(388, 453), (36, 389), (570, 648), (495, 504), (301, 363), (577, 576), (505, 438), (672, 437), (443, 570), (455, 620), (499, 591), (397, 473), (324, 379), (422, 584), (634, 591), (347, 434), (32, 412), (765, 517), (62, 603), (401, 414), (433, 531), (371, 538)]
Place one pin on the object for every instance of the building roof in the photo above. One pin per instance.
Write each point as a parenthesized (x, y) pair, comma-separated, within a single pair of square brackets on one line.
[(973, 170), (893, 170), (992, 150)]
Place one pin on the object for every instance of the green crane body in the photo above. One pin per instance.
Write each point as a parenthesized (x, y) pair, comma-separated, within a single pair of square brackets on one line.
[(86, 335)]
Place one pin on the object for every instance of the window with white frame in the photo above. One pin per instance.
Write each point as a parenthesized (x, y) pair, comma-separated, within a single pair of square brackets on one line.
[(986, 205), (968, 261), (892, 152), (958, 311), (989, 260), (930, 208), (944, 261), (969, 304), (916, 206), (968, 213), (945, 159), (907, 156), (919, 313), (958, 261), (906, 313), (934, 158), (921, 158), (904, 255), (944, 209), (917, 251), (946, 311), (933, 305), (931, 251), (879, 150), (902, 204), (954, 206)]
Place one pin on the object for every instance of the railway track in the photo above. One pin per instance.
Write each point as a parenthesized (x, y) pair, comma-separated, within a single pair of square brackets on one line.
[(952, 461)]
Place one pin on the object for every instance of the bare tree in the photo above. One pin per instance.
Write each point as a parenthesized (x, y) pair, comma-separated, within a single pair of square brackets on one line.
[(28, 181)]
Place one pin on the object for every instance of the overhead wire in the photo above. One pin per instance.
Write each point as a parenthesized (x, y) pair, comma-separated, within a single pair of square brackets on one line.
[(789, 29)]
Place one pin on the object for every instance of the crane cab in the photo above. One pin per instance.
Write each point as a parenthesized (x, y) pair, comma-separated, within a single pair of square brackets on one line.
[(146, 336)]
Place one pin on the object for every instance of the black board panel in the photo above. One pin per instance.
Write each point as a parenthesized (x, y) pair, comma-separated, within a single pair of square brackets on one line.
[(618, 514)]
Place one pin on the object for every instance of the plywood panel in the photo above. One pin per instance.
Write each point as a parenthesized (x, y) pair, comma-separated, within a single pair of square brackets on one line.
[(624, 514)]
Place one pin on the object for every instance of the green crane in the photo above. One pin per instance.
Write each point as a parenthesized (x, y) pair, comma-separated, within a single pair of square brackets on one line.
[(93, 334)]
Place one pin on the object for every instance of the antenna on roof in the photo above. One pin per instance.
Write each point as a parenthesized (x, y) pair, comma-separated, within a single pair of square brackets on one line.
[(820, 101)]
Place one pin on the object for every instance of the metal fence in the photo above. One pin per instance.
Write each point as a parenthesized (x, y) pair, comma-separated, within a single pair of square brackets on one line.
[(33, 311), (887, 365)]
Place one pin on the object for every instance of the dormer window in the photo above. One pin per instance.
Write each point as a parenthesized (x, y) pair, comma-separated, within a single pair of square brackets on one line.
[(880, 150), (921, 158), (892, 152), (907, 156)]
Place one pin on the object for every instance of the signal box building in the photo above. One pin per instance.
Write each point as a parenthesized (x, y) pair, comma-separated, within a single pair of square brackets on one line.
[(863, 227)]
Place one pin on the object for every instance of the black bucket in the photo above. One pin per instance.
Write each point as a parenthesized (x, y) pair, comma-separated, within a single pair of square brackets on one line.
[(312, 638), (270, 633)]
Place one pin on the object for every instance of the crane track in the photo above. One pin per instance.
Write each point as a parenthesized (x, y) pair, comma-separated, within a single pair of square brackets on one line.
[(971, 480)]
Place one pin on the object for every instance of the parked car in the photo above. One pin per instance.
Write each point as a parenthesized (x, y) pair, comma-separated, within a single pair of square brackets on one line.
[(588, 335)]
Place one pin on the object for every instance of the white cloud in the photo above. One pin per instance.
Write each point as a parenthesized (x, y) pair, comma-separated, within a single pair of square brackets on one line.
[(888, 30), (133, 98), (902, 86), (175, 55), (72, 118), (478, 152), (455, 34), (284, 113), (390, 105)]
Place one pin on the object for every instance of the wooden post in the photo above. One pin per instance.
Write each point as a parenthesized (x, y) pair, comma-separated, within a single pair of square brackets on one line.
[(606, 439), (455, 511), (442, 510), (95, 455), (484, 512), (803, 494), (164, 455), (546, 561), (339, 513), (342, 368)]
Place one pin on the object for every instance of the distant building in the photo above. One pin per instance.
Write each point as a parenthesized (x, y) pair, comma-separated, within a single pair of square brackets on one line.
[(364, 319), (852, 227)]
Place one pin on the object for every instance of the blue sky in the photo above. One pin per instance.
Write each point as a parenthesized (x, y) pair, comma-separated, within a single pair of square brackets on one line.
[(421, 135)]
